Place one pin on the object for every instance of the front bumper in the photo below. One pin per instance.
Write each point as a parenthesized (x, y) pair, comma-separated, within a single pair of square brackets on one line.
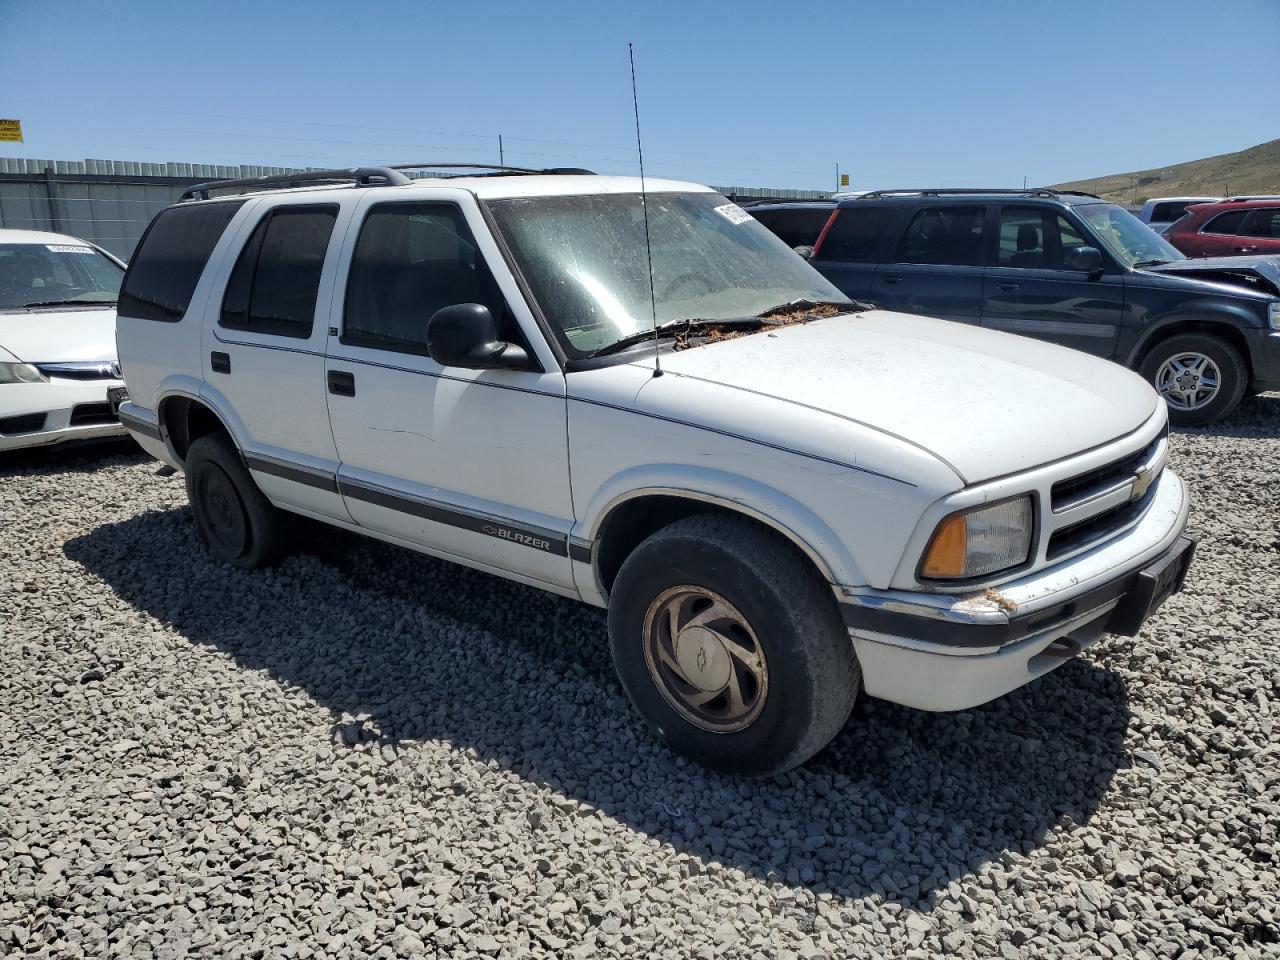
[(950, 652), (1264, 357), (38, 414)]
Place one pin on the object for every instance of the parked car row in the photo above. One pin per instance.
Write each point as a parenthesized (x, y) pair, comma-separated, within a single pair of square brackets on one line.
[(634, 394), (1059, 266)]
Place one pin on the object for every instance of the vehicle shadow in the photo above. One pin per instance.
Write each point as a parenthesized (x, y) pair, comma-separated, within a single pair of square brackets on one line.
[(1257, 416), (403, 648)]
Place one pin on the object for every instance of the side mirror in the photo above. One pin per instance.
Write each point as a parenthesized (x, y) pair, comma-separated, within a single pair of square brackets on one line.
[(464, 335), (804, 250), (1088, 259)]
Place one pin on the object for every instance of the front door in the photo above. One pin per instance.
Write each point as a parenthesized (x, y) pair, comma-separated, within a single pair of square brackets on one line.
[(938, 265), (1030, 288), (468, 464)]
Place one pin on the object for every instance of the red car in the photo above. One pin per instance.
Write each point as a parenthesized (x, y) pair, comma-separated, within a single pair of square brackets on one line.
[(1229, 229)]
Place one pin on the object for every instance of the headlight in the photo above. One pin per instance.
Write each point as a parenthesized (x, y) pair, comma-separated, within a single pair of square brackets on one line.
[(21, 373), (973, 543), (1273, 314)]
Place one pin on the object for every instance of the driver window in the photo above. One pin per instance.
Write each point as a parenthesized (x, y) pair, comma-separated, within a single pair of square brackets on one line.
[(410, 260)]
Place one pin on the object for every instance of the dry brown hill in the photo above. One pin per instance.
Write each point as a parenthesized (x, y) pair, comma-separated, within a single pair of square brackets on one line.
[(1256, 170)]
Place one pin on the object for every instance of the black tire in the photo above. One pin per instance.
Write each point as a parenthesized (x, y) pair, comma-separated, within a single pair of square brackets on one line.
[(812, 676), (236, 523), (1231, 386)]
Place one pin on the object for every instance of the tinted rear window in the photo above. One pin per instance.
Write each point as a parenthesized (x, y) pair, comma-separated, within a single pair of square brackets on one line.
[(169, 260), (273, 286), (1170, 211), (1227, 223), (795, 228), (855, 232), (944, 235)]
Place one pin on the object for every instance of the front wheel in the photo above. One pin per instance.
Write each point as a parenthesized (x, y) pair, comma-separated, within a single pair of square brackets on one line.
[(1201, 377), (731, 646)]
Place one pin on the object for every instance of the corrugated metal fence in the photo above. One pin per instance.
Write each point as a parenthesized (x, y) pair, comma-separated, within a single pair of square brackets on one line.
[(110, 202)]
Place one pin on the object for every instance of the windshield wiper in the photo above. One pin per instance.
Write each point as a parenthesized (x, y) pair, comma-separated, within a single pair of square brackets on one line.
[(804, 303), (671, 328), (65, 303), (1151, 263)]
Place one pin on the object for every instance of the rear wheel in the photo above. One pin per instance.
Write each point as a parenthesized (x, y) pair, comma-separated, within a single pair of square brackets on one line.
[(237, 524), (731, 646), (1201, 377)]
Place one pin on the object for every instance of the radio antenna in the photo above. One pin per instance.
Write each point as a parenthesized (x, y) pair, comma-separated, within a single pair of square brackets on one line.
[(644, 205)]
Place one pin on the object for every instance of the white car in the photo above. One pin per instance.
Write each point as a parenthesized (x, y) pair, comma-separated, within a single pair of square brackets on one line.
[(59, 379), (783, 497), (1161, 213)]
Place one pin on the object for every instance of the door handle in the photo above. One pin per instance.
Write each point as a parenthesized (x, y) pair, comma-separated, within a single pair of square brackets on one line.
[(342, 383), (1007, 286), (892, 278), (219, 362)]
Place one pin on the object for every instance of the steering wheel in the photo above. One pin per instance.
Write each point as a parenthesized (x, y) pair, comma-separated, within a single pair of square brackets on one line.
[(682, 280)]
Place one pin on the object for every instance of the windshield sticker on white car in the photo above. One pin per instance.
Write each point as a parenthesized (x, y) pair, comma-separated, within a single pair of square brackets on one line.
[(66, 248), (733, 213)]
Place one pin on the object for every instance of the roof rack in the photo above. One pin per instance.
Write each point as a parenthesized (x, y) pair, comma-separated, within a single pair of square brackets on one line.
[(757, 201), (1246, 198), (360, 176), (972, 191), (384, 176), (498, 170)]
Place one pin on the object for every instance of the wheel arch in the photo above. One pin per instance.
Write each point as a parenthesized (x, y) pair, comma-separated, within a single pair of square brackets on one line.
[(1220, 327), (626, 520), (184, 418)]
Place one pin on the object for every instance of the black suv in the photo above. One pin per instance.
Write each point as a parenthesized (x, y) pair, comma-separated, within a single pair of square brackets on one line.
[(1061, 266)]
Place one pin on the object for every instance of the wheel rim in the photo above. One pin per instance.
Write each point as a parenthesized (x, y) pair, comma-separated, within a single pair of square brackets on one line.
[(705, 658), (1188, 381), (222, 516)]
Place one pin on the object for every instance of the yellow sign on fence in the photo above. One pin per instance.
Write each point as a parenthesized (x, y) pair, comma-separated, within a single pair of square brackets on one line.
[(10, 131), (844, 179)]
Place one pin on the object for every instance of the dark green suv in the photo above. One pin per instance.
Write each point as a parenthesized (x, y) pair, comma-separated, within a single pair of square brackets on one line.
[(1065, 267)]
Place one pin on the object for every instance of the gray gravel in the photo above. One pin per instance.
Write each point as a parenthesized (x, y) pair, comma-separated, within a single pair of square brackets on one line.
[(369, 753)]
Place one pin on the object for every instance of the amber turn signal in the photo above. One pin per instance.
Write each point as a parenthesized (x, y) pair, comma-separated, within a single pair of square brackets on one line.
[(947, 551)]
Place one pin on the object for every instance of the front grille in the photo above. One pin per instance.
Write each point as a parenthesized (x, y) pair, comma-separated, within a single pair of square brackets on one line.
[(84, 414), (1085, 486), (1098, 527), (27, 423)]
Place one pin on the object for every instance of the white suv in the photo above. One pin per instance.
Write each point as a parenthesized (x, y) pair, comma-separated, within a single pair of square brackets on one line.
[(809, 498)]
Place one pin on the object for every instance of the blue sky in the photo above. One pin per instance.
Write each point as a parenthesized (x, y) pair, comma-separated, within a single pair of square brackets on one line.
[(904, 93)]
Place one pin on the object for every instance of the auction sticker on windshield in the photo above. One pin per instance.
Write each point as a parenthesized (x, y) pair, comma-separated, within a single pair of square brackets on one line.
[(733, 213), (66, 248)]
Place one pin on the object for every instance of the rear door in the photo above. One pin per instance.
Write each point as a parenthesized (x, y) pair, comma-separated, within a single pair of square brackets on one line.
[(1260, 234), (1030, 290), (937, 268), (1221, 235), (263, 351), (854, 245)]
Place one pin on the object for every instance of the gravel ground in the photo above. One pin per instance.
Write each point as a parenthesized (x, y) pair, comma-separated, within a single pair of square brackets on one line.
[(370, 753)]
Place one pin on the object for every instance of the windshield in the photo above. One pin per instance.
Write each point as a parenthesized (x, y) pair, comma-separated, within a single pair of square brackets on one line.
[(1128, 238), (584, 258), (54, 274)]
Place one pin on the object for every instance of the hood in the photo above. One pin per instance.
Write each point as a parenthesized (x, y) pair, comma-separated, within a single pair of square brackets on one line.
[(987, 403), (1257, 274), (45, 336)]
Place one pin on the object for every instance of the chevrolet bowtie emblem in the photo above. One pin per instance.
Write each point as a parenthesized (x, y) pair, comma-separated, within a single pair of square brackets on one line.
[(1142, 481)]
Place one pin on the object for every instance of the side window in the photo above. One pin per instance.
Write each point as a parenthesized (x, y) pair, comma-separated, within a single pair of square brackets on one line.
[(944, 235), (1166, 212), (795, 228), (1263, 223), (410, 260), (854, 234), (170, 258), (1033, 238), (273, 286), (1229, 224)]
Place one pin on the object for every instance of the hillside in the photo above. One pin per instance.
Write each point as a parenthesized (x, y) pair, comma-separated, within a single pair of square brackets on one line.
[(1256, 170)]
